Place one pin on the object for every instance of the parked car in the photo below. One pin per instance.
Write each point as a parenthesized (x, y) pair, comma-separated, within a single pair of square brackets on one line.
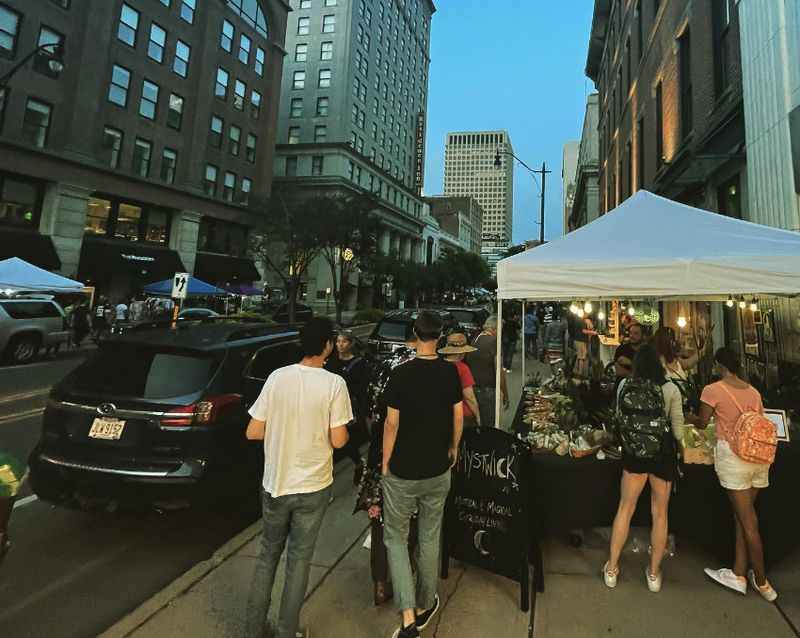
[(302, 313), (389, 333), (159, 415), (197, 313), (27, 325), (470, 319)]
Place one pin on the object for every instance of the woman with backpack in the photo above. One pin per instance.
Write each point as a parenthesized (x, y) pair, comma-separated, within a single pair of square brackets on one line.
[(650, 415), (738, 412)]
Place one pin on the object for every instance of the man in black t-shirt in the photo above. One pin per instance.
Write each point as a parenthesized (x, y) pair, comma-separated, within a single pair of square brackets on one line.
[(422, 432)]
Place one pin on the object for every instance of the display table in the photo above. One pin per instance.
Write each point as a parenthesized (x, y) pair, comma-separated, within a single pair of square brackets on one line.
[(571, 494)]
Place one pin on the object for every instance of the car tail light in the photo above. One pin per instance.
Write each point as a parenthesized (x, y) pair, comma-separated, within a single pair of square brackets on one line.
[(202, 412)]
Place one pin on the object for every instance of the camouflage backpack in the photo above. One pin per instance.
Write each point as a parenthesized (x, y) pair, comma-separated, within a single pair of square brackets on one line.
[(642, 420)]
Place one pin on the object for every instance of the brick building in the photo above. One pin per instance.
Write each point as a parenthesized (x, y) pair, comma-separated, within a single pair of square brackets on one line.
[(461, 217)]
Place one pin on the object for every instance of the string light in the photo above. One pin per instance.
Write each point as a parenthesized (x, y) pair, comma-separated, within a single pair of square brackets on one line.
[(587, 307), (742, 303), (754, 305), (681, 322), (601, 316), (573, 308), (730, 302), (580, 313), (631, 311)]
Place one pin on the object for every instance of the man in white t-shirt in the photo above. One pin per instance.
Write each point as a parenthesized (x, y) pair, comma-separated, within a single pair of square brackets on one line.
[(301, 416), (121, 311)]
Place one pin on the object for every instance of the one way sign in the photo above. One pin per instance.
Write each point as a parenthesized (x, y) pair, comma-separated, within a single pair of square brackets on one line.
[(180, 285)]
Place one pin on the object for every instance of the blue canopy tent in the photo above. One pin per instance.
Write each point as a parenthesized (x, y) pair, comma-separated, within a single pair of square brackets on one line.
[(195, 288)]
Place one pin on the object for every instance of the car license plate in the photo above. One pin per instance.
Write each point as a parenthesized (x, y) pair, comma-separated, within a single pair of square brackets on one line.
[(106, 428)]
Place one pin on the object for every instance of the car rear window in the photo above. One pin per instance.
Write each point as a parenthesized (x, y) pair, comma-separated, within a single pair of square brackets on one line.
[(394, 330), (465, 316), (30, 309), (128, 371)]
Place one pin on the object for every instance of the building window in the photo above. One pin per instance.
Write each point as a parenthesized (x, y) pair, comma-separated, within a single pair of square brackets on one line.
[(215, 132), (296, 108), (226, 36), (299, 80), (128, 222), (250, 148), (149, 100), (291, 166), (187, 10), (324, 78), (42, 60), (97, 217), (112, 143), (321, 133), (9, 29), (210, 180), (640, 149), (234, 140), (175, 113), (326, 51), (128, 24), (169, 160), (303, 26), (301, 52), (260, 59), (328, 24), (36, 122), (629, 168), (329, 3), (181, 63), (141, 157), (158, 39), (322, 106), (166, 3), (244, 49), (229, 187), (686, 83), (317, 165), (247, 187), (221, 86), (239, 95), (659, 125), (255, 104), (294, 135), (721, 15), (305, 4)]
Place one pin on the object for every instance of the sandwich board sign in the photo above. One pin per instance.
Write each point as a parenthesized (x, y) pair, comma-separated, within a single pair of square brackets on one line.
[(180, 285)]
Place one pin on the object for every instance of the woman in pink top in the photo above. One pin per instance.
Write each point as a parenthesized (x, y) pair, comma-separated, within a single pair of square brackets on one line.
[(725, 400)]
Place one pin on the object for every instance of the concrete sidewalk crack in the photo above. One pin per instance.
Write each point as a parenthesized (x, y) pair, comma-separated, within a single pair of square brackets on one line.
[(446, 602)]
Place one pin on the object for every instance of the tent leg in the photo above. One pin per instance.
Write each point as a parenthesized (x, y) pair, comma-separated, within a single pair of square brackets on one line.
[(524, 355), (498, 364)]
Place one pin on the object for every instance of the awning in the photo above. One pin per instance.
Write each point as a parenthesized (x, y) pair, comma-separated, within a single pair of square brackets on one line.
[(18, 275), (225, 269), (100, 258), (29, 246), (194, 288)]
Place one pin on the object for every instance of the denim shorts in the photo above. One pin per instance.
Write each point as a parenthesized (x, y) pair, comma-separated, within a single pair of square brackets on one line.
[(736, 474)]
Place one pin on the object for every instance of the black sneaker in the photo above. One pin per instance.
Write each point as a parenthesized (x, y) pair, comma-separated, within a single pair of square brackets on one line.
[(424, 619), (406, 632)]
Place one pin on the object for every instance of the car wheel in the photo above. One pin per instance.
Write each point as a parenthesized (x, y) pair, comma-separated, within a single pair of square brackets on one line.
[(23, 349)]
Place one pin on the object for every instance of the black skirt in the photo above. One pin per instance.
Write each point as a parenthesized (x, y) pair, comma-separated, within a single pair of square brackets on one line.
[(664, 466)]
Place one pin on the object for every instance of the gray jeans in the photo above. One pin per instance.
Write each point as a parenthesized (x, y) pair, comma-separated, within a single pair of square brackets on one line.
[(296, 517), (401, 499), (486, 397)]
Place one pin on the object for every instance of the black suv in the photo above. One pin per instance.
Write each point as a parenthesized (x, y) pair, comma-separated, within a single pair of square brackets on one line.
[(159, 414), (471, 320), (390, 332)]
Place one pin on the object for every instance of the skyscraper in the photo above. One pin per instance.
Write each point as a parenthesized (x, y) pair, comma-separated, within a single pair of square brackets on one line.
[(469, 169)]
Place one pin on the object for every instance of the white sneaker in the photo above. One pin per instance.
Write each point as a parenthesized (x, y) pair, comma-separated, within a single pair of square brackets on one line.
[(766, 590), (727, 578), (653, 582), (609, 577)]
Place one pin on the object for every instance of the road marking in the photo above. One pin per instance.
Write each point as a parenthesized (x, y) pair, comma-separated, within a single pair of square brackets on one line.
[(21, 396), (18, 416), (26, 501)]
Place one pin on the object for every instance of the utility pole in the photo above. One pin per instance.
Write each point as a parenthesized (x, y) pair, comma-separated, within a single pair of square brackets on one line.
[(544, 173)]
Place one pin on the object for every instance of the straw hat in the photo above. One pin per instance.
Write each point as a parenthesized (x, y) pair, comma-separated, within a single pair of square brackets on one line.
[(457, 344)]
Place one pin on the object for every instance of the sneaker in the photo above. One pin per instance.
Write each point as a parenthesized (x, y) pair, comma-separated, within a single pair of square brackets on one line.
[(424, 619), (406, 632), (609, 577), (727, 578), (653, 582), (766, 590)]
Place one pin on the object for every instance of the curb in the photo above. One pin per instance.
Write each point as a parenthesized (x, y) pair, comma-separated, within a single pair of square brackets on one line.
[(144, 612)]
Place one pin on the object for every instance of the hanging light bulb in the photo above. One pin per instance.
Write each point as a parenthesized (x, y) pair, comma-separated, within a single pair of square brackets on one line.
[(729, 303), (631, 311), (573, 308), (754, 304), (601, 316), (587, 307), (681, 322), (742, 303)]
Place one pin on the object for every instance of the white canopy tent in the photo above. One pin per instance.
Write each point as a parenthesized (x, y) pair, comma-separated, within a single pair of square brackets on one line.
[(17, 275), (650, 247)]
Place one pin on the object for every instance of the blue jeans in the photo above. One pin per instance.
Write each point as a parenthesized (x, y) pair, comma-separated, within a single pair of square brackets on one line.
[(298, 518), (401, 499)]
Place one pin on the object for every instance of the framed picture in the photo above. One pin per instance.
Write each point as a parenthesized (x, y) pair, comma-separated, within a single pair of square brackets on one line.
[(750, 334), (758, 317), (769, 327), (781, 421)]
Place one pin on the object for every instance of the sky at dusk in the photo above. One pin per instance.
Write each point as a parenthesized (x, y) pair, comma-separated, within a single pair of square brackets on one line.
[(515, 65)]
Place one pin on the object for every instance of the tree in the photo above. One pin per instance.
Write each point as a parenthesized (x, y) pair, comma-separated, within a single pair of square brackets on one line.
[(348, 237), (287, 240)]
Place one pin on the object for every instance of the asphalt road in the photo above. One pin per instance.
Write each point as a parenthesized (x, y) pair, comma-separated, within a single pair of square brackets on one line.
[(71, 573)]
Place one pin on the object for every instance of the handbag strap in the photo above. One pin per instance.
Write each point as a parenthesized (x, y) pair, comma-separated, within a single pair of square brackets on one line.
[(733, 398)]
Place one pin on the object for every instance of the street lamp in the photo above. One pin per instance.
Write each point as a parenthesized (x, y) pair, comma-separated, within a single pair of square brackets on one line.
[(55, 63), (498, 163)]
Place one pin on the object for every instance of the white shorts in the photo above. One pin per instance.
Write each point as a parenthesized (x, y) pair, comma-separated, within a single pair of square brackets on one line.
[(736, 474)]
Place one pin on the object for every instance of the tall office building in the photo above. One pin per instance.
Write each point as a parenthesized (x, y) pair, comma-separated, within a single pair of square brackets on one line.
[(469, 169)]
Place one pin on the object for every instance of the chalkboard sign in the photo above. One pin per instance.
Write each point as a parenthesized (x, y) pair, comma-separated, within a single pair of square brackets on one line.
[(487, 514)]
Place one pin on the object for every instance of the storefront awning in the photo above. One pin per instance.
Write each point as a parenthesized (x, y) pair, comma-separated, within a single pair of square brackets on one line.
[(29, 246), (101, 258), (225, 270)]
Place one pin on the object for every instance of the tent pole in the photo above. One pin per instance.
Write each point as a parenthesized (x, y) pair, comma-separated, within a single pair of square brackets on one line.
[(524, 354), (498, 363)]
